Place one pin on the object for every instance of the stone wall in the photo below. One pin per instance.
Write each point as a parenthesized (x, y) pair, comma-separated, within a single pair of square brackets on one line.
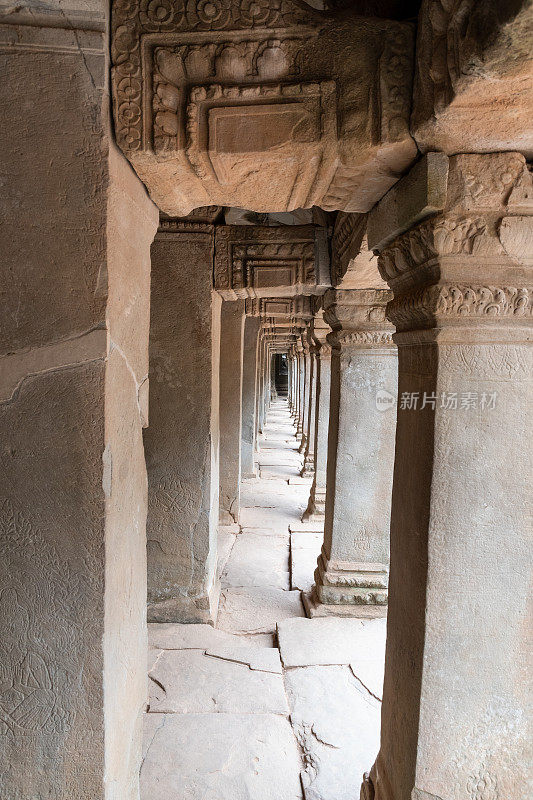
[(76, 228)]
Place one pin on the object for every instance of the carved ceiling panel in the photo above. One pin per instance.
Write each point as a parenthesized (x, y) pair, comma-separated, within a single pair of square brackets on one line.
[(266, 104), (261, 262)]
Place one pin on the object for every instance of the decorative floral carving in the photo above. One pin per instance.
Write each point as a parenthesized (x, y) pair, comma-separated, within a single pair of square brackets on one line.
[(364, 338), (423, 306), (160, 14), (133, 18), (209, 14), (346, 243)]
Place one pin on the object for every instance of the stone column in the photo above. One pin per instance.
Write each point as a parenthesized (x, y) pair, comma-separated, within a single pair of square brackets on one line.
[(231, 372), (456, 698), (181, 443), (352, 573), (301, 389), (306, 383), (249, 370), (262, 384), (74, 307), (258, 367), (289, 381), (309, 452), (317, 498), (295, 369)]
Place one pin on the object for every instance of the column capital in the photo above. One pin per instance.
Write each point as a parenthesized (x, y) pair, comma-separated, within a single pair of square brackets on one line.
[(358, 317), (469, 266)]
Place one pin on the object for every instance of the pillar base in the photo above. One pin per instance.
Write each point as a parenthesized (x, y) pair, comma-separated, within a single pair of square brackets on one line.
[(314, 609), (316, 507), (308, 469), (348, 589), (187, 610)]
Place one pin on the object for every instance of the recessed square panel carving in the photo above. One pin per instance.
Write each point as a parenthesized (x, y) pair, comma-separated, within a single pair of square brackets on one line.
[(266, 275), (264, 262), (269, 106), (234, 132), (276, 308)]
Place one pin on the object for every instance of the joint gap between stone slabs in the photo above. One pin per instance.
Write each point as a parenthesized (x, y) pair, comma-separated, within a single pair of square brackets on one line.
[(242, 663), (358, 679), (159, 727)]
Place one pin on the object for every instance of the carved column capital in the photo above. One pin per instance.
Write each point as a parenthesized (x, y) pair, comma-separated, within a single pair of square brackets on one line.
[(357, 317), (468, 266)]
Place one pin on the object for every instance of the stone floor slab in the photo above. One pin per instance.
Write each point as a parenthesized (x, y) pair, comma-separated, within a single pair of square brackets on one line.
[(307, 527), (305, 549), (254, 610), (354, 642), (258, 560), (189, 682), (264, 659), (222, 757), (337, 724)]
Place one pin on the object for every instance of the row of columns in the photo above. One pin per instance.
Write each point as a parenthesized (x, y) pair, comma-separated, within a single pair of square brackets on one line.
[(440, 489)]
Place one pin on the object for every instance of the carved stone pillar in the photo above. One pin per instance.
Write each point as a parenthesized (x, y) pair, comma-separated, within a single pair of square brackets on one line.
[(300, 387), (306, 375), (249, 370), (289, 381), (260, 357), (317, 499), (455, 696), (181, 443), (309, 452), (231, 371), (352, 573), (273, 392), (74, 308)]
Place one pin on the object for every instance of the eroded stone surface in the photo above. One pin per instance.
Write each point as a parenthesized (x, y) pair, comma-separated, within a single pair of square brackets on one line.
[(188, 682), (256, 610), (222, 757), (336, 722)]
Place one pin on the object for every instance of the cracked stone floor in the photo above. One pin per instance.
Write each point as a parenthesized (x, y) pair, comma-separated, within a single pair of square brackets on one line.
[(268, 705)]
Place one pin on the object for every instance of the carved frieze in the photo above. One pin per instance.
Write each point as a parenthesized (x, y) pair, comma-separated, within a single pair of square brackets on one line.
[(249, 104), (262, 261)]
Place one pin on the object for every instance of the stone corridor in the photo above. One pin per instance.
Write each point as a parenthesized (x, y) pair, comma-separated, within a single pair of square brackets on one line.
[(268, 705), (266, 315)]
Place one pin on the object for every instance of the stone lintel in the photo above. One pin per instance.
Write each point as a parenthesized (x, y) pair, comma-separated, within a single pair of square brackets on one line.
[(418, 195)]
